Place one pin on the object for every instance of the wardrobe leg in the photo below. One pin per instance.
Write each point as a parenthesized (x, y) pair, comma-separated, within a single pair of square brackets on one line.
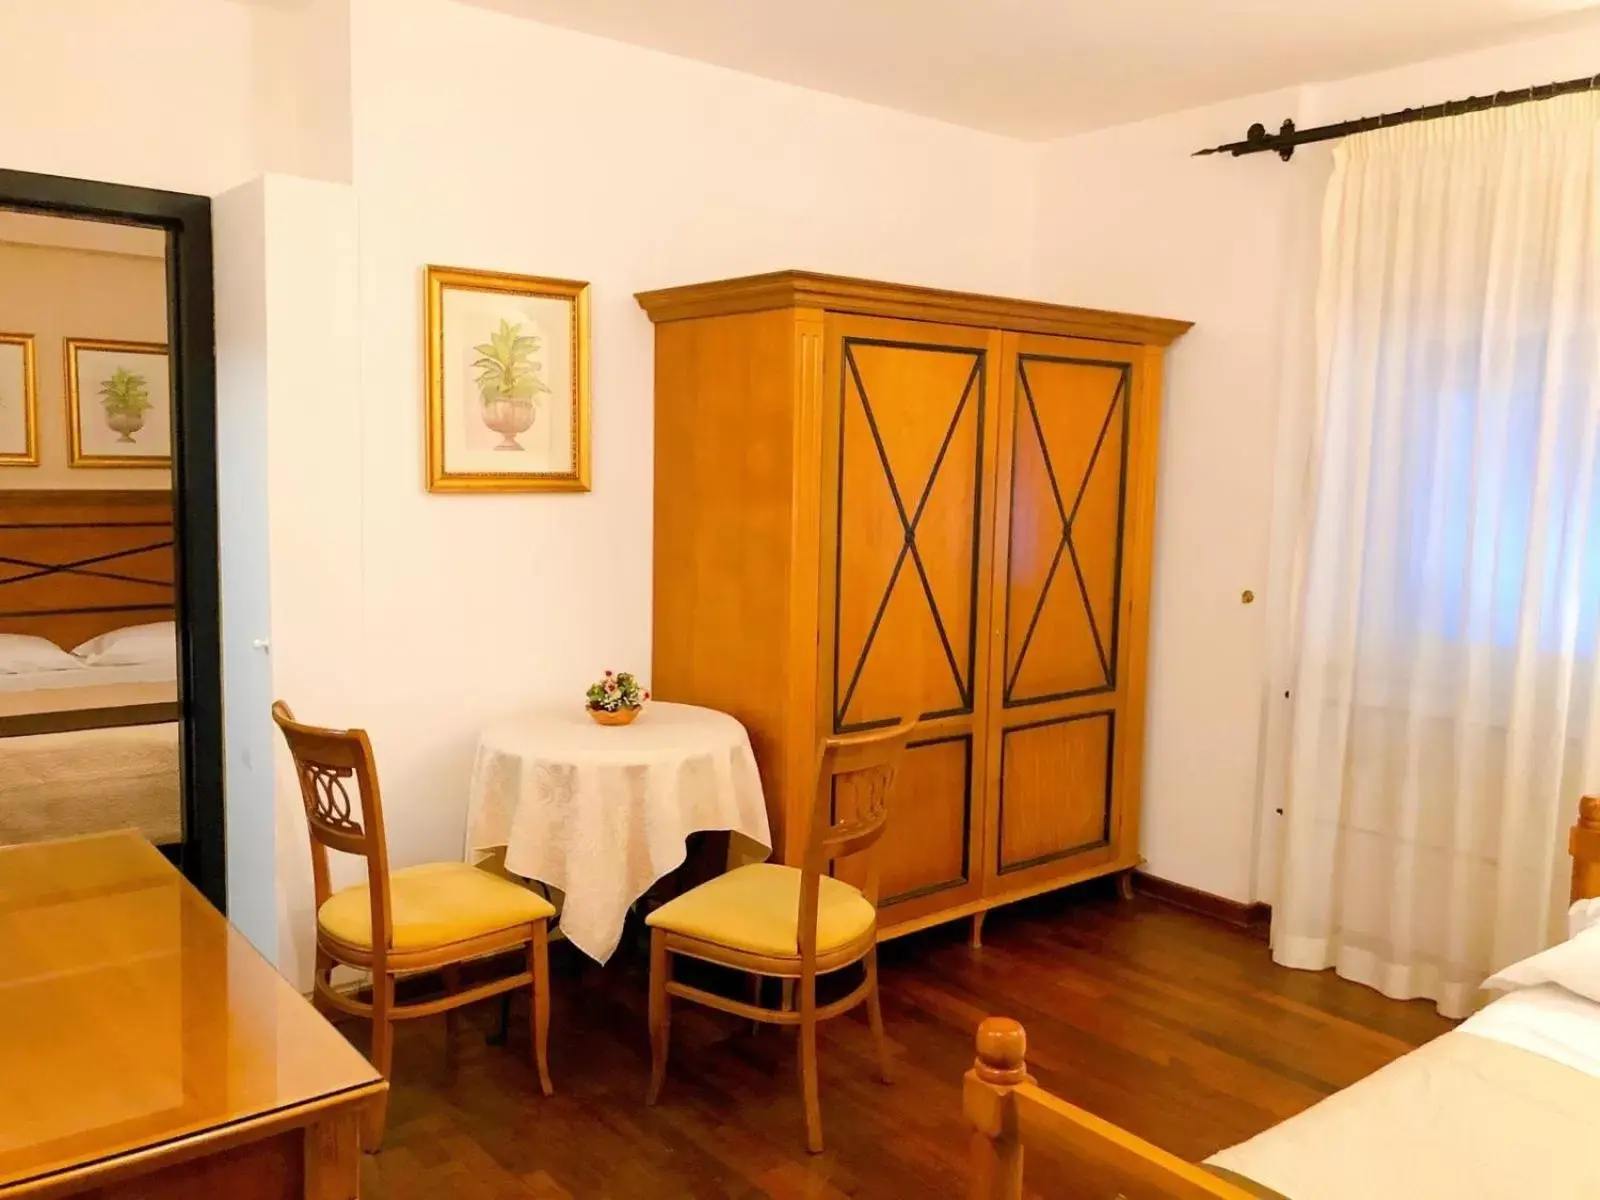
[(975, 938)]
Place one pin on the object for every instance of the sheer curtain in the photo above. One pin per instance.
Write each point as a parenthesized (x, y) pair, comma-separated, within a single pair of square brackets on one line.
[(1443, 715)]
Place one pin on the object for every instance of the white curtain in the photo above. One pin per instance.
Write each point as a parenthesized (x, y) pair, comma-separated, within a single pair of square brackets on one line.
[(1443, 715)]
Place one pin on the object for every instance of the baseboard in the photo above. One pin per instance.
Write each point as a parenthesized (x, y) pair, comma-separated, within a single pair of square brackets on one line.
[(1253, 916)]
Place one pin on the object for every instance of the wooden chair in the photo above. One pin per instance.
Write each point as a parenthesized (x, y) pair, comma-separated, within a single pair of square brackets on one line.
[(791, 923), (432, 917)]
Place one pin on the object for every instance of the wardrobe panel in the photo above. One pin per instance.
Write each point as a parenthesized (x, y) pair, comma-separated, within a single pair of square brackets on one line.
[(910, 508), (1074, 442), (925, 848), (1056, 779), (1069, 432)]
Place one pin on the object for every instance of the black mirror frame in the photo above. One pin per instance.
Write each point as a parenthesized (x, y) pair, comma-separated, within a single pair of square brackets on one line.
[(192, 336)]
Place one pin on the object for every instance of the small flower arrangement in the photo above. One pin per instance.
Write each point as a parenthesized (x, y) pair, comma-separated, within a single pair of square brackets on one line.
[(616, 698)]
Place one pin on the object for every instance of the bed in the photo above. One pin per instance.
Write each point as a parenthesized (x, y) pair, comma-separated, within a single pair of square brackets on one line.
[(1502, 1106), (89, 741)]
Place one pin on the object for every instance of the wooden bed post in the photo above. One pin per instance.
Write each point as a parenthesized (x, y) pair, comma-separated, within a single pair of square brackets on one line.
[(1584, 846), (996, 1171)]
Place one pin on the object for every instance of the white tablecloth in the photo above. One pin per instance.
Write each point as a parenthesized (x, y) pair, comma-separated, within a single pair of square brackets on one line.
[(602, 813)]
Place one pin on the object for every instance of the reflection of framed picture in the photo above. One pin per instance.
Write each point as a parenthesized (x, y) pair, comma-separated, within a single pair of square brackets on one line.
[(19, 403), (119, 403), (508, 382)]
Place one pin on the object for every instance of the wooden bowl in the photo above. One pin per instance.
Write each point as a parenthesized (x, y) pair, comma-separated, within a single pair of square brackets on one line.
[(623, 716)]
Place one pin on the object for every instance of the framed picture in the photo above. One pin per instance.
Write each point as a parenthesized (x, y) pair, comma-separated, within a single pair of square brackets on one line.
[(19, 402), (119, 403), (508, 382)]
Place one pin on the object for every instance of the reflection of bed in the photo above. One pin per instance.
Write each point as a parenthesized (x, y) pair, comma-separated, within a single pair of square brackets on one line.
[(89, 757), (96, 748), (1501, 1107)]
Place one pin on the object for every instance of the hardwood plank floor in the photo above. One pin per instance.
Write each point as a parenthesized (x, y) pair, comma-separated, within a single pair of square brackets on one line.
[(1173, 1025)]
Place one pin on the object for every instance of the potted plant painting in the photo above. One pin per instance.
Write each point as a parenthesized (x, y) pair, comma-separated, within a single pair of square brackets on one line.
[(125, 396), (616, 699), (508, 382)]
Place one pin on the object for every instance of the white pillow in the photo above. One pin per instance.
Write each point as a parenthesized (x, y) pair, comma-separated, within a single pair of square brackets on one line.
[(1582, 915), (23, 655), (1573, 964), (135, 646)]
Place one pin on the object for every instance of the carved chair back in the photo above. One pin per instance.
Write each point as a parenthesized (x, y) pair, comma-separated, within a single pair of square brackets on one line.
[(856, 777), (344, 811)]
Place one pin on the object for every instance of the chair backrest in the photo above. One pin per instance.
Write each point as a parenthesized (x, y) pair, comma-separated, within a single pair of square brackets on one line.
[(856, 777), (327, 762)]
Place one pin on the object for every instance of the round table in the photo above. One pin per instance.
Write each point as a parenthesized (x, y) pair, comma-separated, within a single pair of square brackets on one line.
[(603, 812)]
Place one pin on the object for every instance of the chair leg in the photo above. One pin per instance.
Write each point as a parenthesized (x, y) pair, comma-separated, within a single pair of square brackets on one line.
[(755, 999), (502, 1034), (875, 1017), (322, 975), (660, 1013), (452, 1016), (382, 1059), (539, 968), (808, 1062)]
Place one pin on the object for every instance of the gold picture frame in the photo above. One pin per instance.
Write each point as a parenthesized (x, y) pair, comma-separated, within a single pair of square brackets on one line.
[(93, 446), (23, 450), (507, 359)]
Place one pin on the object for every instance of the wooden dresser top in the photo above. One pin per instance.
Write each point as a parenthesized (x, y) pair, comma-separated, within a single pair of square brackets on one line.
[(132, 1015), (840, 293)]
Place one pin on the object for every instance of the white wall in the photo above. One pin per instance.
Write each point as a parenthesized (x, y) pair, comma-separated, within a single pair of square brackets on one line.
[(155, 93), (1128, 220), (607, 163), (476, 139), (57, 293), (240, 246), (190, 95), (289, 436)]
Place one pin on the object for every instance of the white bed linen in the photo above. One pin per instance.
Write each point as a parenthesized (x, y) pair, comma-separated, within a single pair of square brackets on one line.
[(1546, 1020), (56, 785), (38, 681)]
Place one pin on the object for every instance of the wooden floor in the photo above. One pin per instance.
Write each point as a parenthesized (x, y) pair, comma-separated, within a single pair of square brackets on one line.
[(1174, 1026)]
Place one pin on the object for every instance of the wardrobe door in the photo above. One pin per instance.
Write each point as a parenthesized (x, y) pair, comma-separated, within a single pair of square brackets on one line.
[(909, 441), (1072, 519)]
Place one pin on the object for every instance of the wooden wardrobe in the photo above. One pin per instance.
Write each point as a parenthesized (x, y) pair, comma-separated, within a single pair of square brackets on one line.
[(869, 497)]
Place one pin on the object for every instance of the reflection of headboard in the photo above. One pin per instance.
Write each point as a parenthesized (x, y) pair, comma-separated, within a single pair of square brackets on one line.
[(74, 565)]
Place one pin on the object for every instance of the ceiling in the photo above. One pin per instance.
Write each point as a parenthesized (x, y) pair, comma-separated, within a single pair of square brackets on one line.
[(1044, 68)]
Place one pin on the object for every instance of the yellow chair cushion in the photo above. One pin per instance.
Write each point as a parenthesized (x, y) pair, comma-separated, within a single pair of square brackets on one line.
[(434, 905), (757, 909)]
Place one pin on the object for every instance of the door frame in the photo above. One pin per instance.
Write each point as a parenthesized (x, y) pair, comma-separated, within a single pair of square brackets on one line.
[(186, 219)]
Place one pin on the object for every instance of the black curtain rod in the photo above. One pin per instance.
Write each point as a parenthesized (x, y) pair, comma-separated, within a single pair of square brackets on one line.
[(1282, 143)]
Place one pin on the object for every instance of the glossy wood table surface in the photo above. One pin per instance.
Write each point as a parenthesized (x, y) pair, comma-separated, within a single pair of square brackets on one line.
[(141, 1034)]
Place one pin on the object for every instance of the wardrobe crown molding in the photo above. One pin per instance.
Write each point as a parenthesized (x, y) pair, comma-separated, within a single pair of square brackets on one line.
[(870, 297)]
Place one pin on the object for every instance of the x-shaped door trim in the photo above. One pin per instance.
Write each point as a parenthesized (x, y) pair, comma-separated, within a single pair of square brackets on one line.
[(908, 525), (1065, 544)]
